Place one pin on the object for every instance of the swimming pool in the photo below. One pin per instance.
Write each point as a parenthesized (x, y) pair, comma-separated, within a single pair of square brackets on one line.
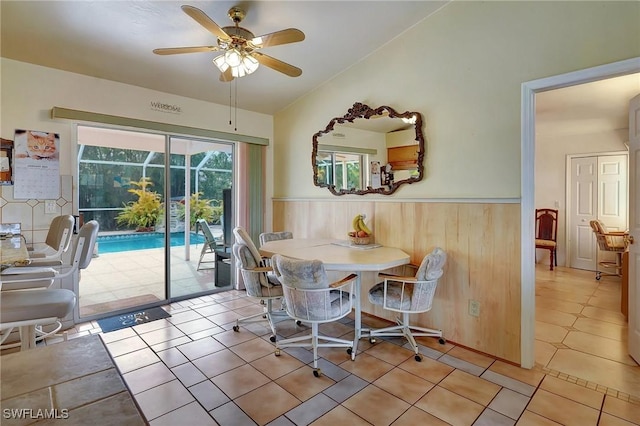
[(141, 241)]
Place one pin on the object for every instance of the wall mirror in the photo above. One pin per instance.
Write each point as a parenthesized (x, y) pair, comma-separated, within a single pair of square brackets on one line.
[(369, 151)]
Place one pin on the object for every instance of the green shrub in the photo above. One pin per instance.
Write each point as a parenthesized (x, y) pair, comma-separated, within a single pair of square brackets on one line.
[(144, 212)]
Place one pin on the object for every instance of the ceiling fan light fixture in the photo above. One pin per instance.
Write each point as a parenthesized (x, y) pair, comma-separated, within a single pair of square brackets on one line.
[(220, 62), (241, 63), (233, 58)]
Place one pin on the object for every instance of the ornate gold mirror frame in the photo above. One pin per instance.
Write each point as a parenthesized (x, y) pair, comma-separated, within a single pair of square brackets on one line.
[(357, 113)]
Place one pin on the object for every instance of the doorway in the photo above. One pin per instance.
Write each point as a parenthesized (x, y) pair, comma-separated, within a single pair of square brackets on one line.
[(528, 165)]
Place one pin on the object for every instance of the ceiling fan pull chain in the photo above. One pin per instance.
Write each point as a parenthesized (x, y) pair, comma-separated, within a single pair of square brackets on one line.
[(236, 106), (229, 104)]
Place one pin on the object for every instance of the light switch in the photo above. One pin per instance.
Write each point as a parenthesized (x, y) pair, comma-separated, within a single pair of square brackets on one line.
[(50, 207)]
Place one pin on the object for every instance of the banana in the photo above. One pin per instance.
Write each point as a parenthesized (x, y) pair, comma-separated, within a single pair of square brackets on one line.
[(355, 223), (363, 227)]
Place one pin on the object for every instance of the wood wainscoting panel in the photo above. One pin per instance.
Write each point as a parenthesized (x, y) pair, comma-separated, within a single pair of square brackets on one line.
[(482, 241)]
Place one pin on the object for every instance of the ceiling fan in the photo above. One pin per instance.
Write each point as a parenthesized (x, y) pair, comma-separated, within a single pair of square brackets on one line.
[(240, 47)]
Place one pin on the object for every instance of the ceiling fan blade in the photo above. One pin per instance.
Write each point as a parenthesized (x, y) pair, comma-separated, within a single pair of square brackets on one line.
[(176, 50), (226, 76), (277, 64), (290, 35), (201, 18)]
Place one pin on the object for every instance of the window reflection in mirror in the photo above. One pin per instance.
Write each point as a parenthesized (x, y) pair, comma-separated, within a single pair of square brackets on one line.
[(343, 170)]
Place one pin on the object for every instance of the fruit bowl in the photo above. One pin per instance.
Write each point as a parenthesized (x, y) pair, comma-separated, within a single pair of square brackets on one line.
[(360, 241)]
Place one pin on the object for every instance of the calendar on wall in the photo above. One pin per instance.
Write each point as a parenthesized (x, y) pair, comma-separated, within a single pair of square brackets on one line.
[(36, 163)]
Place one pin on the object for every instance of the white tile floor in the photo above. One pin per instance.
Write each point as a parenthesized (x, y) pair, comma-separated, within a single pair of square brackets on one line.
[(192, 369)]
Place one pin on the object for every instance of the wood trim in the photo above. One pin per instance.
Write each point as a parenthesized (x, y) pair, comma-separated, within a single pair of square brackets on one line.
[(95, 117), (482, 242)]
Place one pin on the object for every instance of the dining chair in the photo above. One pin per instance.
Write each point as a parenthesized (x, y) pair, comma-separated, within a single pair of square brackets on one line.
[(610, 241), (546, 229), (57, 241), (258, 277), (311, 298), (209, 245), (274, 236), (409, 295)]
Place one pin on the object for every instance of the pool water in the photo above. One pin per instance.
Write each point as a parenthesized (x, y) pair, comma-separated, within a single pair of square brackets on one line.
[(141, 241)]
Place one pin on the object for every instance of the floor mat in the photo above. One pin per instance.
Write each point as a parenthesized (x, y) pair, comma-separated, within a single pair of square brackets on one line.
[(121, 321), (117, 305)]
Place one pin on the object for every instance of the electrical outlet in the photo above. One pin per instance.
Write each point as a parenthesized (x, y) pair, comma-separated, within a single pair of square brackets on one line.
[(50, 207), (474, 308)]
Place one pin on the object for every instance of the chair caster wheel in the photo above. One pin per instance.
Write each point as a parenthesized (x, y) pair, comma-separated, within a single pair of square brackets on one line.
[(236, 328), (298, 323), (350, 351), (277, 352), (272, 338), (442, 341), (418, 358), (372, 340), (317, 372)]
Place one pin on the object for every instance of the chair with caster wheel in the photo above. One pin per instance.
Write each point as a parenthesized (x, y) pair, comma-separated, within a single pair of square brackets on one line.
[(409, 295), (311, 298), (611, 241), (259, 280), (265, 237)]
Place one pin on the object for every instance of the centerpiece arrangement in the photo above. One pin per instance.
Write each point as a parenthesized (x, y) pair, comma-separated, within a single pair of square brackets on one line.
[(361, 234)]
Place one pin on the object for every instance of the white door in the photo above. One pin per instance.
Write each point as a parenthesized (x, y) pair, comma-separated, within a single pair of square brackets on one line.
[(612, 197), (634, 228), (598, 191), (584, 184)]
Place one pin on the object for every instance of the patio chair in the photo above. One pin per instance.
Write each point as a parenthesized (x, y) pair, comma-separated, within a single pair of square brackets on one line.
[(209, 245), (409, 295), (311, 298)]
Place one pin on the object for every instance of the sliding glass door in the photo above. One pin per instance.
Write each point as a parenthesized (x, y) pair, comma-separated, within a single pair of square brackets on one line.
[(200, 172), (147, 204)]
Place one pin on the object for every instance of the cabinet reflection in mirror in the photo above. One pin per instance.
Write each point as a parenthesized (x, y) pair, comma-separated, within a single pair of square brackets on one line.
[(369, 151)]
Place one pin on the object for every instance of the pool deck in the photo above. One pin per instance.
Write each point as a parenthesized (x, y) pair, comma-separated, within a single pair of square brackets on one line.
[(126, 279)]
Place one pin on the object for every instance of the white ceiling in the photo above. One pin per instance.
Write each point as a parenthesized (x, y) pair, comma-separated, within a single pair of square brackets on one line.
[(114, 40), (600, 106)]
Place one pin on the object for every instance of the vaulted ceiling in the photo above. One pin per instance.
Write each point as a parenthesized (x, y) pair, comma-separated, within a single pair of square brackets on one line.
[(113, 40)]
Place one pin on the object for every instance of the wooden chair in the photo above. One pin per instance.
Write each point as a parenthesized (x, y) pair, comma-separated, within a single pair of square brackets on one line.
[(546, 233)]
